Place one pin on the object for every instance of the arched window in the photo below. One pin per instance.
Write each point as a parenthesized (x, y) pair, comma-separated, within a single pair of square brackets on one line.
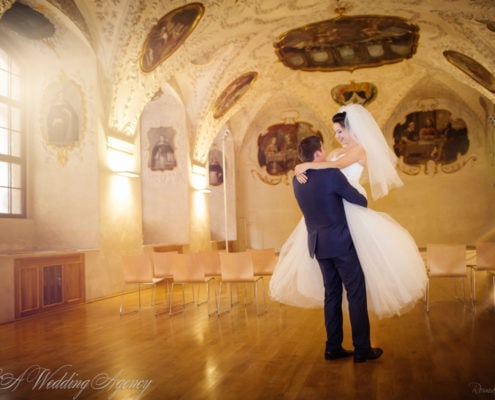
[(12, 153)]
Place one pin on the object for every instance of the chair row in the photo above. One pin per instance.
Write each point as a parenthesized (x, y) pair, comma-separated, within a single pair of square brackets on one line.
[(208, 267), (205, 267), (451, 261)]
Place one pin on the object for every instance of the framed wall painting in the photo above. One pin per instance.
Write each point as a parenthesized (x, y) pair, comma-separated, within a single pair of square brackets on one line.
[(431, 140), (63, 117), (169, 34), (277, 150), (162, 148), (215, 166), (233, 92), (472, 68)]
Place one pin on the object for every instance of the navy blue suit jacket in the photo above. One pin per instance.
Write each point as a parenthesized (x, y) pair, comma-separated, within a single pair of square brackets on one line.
[(320, 200)]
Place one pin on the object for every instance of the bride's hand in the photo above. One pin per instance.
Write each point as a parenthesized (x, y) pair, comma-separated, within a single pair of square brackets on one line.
[(302, 178), (300, 168)]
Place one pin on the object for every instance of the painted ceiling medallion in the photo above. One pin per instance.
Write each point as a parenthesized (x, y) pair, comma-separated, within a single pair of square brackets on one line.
[(168, 35), (348, 43), (233, 93), (472, 68), (354, 92)]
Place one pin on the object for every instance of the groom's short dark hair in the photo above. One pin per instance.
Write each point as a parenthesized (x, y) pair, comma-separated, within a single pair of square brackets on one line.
[(308, 146)]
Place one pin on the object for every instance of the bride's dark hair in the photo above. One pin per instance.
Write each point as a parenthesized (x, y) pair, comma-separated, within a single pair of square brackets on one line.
[(339, 118)]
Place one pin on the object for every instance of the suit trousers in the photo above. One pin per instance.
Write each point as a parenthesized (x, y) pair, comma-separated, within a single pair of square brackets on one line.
[(346, 270)]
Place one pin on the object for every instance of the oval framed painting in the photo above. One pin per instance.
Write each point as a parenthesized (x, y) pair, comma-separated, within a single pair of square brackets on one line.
[(233, 93), (168, 34), (472, 68)]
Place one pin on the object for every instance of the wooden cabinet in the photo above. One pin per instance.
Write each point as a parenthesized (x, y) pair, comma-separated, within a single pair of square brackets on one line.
[(44, 283)]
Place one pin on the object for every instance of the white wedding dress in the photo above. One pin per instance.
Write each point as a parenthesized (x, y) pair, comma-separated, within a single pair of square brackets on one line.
[(393, 267)]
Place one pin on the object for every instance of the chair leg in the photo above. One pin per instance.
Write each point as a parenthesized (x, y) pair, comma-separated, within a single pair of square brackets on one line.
[(219, 301), (215, 294), (260, 281), (463, 284), (207, 283), (167, 290), (256, 295), (427, 296), (172, 297), (473, 286), (264, 293), (198, 302), (153, 297), (121, 308), (184, 296)]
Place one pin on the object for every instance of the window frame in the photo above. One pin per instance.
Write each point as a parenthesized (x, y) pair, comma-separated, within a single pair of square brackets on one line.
[(14, 68)]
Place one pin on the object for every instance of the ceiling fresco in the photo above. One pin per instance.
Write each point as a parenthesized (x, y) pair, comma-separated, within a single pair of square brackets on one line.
[(348, 43), (301, 50)]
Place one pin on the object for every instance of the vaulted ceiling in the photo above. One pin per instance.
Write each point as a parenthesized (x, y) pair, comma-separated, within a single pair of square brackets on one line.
[(233, 37)]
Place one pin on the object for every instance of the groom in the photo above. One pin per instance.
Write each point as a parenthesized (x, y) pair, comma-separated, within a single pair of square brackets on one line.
[(329, 239)]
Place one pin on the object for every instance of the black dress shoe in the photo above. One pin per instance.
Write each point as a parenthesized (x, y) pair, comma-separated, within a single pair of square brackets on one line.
[(336, 354), (372, 354)]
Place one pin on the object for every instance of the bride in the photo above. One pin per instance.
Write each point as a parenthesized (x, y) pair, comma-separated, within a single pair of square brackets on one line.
[(394, 270)]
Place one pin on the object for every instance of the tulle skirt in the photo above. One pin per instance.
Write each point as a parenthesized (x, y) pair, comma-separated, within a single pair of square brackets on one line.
[(393, 267)]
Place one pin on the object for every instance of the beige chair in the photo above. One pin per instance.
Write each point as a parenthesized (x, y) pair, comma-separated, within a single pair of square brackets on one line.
[(264, 261), (237, 268), (445, 261), (162, 266), (185, 271), (209, 261), (138, 269), (485, 261)]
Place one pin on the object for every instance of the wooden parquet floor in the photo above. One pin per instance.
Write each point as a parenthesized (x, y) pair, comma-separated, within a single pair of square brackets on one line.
[(91, 352)]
